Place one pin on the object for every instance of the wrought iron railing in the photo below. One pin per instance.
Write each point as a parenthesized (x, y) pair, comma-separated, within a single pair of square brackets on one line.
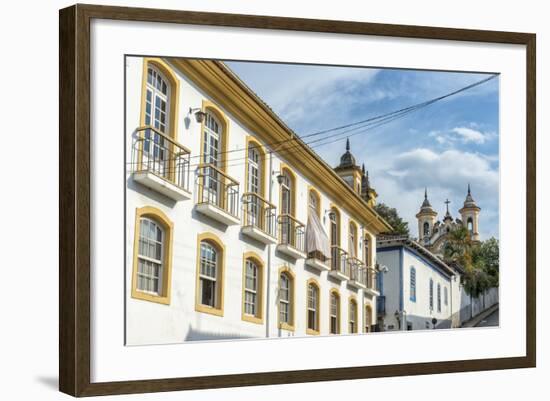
[(216, 188), (259, 213), (291, 232), (155, 152), (339, 260), (358, 271), (371, 275)]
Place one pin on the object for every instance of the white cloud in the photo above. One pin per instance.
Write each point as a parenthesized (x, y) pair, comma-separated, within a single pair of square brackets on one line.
[(470, 135)]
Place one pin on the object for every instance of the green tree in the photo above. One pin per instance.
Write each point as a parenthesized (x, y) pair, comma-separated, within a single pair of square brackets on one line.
[(489, 250), (390, 214)]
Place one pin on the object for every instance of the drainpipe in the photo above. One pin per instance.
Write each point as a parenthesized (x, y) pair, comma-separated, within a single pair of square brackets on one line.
[(269, 249)]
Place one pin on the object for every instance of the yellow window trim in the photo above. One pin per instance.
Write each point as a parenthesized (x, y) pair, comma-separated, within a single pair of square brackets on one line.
[(334, 208), (161, 218), (208, 106), (312, 189), (353, 225), (318, 307), (259, 318), (292, 278), (353, 304), (167, 71), (214, 240), (282, 168), (252, 141), (338, 311), (367, 308)]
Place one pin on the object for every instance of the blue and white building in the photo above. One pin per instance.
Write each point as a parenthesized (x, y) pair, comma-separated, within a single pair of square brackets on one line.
[(418, 291)]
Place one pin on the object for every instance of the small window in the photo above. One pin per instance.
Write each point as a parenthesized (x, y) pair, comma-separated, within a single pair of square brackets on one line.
[(313, 308), (470, 225), (209, 268), (426, 229), (252, 288), (352, 316), (150, 256), (431, 294), (334, 313), (438, 297), (413, 284)]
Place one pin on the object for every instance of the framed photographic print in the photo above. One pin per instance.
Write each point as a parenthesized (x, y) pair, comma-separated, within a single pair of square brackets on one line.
[(250, 200)]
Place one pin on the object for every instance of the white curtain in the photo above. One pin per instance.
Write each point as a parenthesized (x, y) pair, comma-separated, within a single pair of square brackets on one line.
[(316, 238)]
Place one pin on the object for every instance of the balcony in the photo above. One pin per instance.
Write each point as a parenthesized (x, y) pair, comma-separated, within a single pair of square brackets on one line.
[(258, 218), (318, 261), (217, 195), (339, 266), (372, 288), (160, 163), (358, 273), (292, 236)]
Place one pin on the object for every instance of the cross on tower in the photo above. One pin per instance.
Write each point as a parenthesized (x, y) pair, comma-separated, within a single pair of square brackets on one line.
[(447, 203)]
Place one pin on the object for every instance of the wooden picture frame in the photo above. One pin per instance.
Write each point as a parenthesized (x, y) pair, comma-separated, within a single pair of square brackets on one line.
[(75, 210)]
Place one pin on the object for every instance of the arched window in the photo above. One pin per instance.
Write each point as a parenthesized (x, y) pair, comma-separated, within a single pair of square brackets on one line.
[(312, 307), (252, 288), (439, 297), (152, 256), (431, 294), (286, 299), (353, 316), (367, 257), (334, 312), (426, 229), (335, 238), (413, 284), (352, 246), (470, 225), (314, 200), (368, 318), (210, 268)]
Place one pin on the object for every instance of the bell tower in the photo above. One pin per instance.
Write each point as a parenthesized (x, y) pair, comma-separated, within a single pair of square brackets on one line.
[(470, 215), (349, 171), (426, 219)]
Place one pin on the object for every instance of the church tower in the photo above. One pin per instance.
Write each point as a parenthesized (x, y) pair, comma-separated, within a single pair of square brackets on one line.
[(426, 219), (349, 171), (470, 215), (367, 192)]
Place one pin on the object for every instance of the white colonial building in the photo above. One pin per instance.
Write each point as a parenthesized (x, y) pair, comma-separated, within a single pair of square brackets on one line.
[(415, 287), (235, 227)]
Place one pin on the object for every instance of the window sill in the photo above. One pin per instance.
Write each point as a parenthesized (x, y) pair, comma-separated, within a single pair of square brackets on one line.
[(143, 296), (312, 332), (209, 310), (252, 319), (286, 326)]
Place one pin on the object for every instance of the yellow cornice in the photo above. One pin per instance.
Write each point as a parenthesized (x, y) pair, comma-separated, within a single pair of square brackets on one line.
[(236, 98)]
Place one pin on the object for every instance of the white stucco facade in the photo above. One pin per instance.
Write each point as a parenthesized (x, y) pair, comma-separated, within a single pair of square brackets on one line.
[(401, 302), (177, 318)]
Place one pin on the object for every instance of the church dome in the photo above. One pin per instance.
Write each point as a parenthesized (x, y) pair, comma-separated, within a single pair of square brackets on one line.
[(347, 160), (426, 206), (469, 202)]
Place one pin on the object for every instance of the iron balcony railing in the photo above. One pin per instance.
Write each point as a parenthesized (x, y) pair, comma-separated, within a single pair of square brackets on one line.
[(156, 153), (291, 232), (358, 270), (216, 188), (339, 260), (259, 213)]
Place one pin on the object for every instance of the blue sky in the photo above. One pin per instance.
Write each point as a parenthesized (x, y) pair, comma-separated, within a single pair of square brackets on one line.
[(443, 147)]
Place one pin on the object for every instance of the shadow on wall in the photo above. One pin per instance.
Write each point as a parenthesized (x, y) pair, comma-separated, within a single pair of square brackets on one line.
[(194, 334)]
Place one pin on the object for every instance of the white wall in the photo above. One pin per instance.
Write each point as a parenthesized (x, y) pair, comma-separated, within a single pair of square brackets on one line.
[(153, 323), (33, 43)]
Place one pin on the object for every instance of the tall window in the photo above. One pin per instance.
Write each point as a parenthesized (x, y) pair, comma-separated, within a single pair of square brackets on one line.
[(150, 256), (368, 318), (252, 288), (312, 308), (426, 229), (431, 294), (335, 238), (208, 274), (314, 201), (254, 185), (439, 297), (445, 296), (285, 300), (353, 316), (366, 250), (287, 205), (157, 98), (352, 246), (334, 313), (413, 284), (470, 225), (211, 150)]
